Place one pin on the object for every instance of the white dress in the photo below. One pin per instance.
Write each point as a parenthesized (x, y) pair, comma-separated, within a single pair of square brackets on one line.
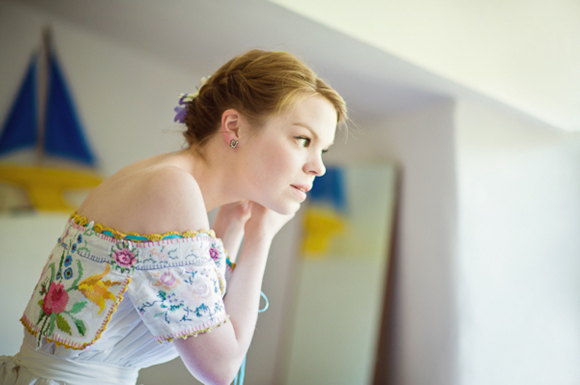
[(108, 304)]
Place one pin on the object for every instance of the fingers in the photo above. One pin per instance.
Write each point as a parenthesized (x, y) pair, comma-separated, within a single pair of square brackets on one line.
[(265, 221)]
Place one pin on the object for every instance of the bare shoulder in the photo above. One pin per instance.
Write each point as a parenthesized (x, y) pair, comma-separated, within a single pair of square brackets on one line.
[(152, 200), (172, 198)]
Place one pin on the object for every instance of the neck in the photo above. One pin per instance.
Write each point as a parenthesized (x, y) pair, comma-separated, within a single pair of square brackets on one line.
[(214, 175)]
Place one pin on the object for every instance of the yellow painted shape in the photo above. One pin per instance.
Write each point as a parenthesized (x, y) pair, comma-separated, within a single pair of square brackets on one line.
[(45, 186), (320, 228)]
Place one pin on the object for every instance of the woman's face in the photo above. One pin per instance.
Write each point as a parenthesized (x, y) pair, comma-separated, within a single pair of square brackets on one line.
[(283, 157)]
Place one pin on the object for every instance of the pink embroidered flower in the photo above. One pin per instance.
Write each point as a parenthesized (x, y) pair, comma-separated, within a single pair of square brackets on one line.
[(167, 280), (160, 255), (200, 291), (125, 258), (55, 300), (163, 256), (214, 253)]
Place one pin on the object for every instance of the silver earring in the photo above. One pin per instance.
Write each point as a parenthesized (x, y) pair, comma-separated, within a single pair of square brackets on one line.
[(233, 143)]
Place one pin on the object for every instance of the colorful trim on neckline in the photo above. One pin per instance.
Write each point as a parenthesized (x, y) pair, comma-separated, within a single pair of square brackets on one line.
[(136, 237)]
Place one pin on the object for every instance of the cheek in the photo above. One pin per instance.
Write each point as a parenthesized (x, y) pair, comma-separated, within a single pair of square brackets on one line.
[(278, 162)]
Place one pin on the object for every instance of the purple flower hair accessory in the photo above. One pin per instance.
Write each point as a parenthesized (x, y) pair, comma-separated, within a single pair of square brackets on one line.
[(180, 111), (184, 99)]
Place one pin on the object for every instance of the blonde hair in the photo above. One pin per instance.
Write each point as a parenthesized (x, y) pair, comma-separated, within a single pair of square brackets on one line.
[(258, 84)]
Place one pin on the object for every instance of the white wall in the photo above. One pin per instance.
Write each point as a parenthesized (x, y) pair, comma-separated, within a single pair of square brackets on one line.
[(518, 267), (422, 143), (424, 305), (522, 53)]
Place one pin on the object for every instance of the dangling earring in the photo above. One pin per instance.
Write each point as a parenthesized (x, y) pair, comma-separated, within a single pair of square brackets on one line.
[(233, 143)]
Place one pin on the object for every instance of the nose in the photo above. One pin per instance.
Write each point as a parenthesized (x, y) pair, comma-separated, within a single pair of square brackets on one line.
[(315, 166)]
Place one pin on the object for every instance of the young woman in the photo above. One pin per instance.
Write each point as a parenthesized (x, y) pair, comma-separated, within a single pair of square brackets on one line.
[(129, 284)]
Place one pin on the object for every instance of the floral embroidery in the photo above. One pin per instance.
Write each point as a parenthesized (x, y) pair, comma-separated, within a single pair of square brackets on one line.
[(171, 309), (214, 253), (200, 291), (96, 290), (68, 273), (161, 256), (56, 300), (178, 286), (166, 280), (125, 257)]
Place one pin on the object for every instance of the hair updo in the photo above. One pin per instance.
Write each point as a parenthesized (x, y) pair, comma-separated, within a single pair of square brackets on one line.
[(259, 84)]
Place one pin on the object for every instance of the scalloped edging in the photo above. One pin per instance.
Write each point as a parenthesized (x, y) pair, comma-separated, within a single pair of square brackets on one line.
[(98, 228), (195, 333)]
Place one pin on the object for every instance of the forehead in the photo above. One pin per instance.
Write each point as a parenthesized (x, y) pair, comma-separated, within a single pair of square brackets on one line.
[(315, 113)]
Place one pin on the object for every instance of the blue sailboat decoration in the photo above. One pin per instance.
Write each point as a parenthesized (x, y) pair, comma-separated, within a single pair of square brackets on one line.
[(63, 133), (21, 125), (58, 133)]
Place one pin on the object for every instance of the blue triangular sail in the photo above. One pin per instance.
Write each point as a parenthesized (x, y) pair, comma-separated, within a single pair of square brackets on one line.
[(20, 130), (63, 134)]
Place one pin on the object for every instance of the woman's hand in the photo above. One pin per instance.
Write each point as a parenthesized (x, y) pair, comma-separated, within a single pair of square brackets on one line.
[(257, 222), (264, 223), (229, 225)]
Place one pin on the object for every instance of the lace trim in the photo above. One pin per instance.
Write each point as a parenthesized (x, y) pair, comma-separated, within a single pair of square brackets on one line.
[(191, 334), (31, 330), (82, 221)]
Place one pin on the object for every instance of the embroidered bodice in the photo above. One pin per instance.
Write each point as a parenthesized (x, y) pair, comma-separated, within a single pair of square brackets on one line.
[(117, 299)]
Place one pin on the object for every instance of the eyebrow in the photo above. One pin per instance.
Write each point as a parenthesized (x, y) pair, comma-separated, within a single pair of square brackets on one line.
[(311, 131)]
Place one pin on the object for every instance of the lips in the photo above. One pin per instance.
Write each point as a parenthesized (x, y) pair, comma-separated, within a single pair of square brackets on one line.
[(302, 188), (301, 191)]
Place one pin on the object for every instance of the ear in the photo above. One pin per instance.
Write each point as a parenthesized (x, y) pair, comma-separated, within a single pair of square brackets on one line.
[(231, 124)]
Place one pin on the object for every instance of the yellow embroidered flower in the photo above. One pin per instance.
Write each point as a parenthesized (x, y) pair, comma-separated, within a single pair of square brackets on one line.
[(96, 290)]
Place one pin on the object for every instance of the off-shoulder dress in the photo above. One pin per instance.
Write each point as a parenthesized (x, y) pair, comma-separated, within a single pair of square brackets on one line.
[(107, 304)]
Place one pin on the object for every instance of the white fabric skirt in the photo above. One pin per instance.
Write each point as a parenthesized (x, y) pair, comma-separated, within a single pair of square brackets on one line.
[(35, 367)]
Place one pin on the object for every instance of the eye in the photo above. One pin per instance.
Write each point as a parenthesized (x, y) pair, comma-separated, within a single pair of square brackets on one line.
[(303, 140)]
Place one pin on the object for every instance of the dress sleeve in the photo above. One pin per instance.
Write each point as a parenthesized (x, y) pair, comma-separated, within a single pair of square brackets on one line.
[(178, 286)]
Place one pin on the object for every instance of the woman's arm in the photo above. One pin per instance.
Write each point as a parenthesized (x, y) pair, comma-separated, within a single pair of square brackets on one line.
[(215, 357), (229, 226)]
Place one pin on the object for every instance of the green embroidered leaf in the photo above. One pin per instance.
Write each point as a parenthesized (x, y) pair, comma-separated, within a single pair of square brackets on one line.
[(80, 327), (40, 333), (41, 302), (77, 307), (62, 324), (40, 317), (52, 274), (43, 288), (41, 330), (80, 267), (62, 257), (74, 285), (50, 328)]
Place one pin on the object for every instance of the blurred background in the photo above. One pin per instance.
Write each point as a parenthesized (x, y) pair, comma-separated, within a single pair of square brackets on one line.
[(466, 139)]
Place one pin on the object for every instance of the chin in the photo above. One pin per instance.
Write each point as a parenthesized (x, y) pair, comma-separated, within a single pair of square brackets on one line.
[(285, 208)]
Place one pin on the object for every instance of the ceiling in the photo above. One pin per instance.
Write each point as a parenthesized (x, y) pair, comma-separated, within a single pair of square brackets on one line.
[(374, 83)]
